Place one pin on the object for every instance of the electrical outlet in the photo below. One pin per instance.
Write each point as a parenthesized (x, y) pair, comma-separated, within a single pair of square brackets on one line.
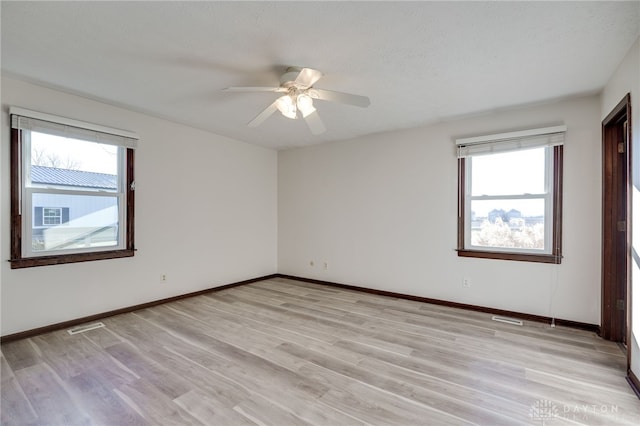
[(311, 263), (466, 283), (163, 278), (326, 265)]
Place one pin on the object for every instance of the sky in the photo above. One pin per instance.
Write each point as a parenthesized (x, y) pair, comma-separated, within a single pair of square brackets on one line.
[(510, 173), (86, 156)]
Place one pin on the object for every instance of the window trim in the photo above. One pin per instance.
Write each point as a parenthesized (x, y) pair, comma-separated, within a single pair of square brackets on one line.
[(18, 261), (555, 257)]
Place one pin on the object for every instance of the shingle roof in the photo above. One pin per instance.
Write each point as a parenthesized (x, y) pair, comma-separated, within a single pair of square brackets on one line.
[(77, 178)]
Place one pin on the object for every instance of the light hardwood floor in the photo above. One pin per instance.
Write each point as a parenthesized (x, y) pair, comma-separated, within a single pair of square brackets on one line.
[(282, 352)]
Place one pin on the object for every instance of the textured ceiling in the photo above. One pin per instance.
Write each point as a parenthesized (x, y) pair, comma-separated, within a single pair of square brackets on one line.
[(419, 62)]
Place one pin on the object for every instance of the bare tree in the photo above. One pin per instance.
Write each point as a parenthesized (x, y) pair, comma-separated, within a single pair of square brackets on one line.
[(51, 159), (37, 157)]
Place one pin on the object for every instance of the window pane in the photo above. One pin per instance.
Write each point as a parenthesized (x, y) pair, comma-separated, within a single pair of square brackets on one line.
[(52, 216), (511, 173), (508, 223), (73, 154), (83, 221)]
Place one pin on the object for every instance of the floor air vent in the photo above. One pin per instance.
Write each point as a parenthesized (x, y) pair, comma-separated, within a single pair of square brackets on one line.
[(507, 320), (86, 327)]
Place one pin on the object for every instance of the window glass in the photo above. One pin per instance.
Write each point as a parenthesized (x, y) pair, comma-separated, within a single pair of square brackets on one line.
[(92, 222), (509, 202), (75, 195), (73, 162), (517, 172), (514, 223)]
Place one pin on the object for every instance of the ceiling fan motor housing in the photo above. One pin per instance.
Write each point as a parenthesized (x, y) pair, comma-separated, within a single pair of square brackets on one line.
[(288, 79)]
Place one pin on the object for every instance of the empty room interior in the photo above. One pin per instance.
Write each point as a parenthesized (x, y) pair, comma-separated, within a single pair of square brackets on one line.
[(320, 213)]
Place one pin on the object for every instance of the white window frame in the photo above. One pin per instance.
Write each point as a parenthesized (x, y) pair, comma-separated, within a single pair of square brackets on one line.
[(57, 216), (29, 190), (547, 196)]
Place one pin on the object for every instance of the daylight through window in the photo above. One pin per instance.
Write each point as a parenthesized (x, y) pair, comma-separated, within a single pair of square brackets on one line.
[(72, 185), (510, 195)]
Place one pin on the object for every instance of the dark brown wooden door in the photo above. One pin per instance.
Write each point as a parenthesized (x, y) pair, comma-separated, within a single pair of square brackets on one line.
[(616, 231)]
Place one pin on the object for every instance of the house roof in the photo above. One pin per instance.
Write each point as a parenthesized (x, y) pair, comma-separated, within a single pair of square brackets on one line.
[(76, 178)]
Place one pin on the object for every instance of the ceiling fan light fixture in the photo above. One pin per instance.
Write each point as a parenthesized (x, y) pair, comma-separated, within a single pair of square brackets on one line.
[(286, 106), (305, 104), (298, 93)]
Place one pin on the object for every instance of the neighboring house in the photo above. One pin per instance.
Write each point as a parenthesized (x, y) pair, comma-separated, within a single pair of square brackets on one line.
[(66, 178), (503, 215), (62, 220)]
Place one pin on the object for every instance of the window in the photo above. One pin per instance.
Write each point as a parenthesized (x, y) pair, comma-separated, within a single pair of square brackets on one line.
[(510, 196), (72, 190), (51, 216)]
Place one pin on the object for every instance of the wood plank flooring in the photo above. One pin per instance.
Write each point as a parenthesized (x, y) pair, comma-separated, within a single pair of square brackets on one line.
[(282, 352)]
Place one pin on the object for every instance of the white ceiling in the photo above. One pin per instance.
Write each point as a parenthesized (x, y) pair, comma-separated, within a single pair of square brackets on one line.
[(419, 62)]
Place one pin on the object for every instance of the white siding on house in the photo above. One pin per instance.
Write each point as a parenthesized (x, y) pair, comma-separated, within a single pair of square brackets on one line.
[(83, 210)]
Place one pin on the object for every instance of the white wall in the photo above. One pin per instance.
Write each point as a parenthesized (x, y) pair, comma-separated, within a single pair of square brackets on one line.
[(381, 211), (206, 215), (625, 80)]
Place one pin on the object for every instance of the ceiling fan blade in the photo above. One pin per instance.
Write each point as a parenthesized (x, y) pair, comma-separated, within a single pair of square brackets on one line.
[(315, 123), (255, 89), (344, 98), (308, 77), (266, 113)]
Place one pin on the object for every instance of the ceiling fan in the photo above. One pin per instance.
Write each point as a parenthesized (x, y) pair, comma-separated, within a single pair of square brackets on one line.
[(299, 93)]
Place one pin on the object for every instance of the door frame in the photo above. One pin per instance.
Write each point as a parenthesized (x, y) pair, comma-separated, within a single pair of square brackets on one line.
[(612, 326)]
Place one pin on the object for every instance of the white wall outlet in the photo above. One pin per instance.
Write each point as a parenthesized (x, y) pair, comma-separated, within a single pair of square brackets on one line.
[(163, 278), (466, 283), (311, 263), (326, 265)]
